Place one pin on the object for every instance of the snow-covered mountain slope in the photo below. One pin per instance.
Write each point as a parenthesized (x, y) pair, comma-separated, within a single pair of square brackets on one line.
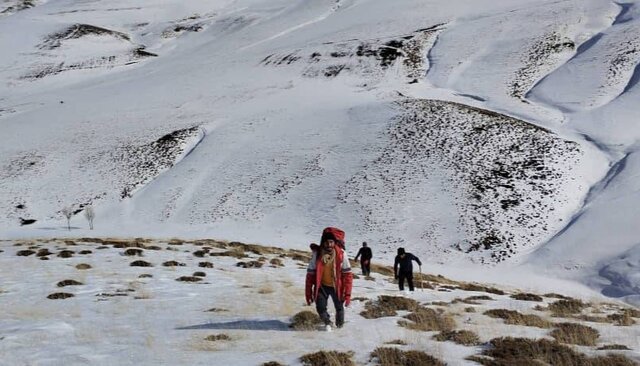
[(496, 132)]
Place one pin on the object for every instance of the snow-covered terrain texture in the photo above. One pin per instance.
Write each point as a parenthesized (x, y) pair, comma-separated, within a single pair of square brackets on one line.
[(140, 301), (265, 121)]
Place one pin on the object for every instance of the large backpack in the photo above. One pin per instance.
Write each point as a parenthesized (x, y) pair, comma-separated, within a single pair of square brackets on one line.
[(335, 234)]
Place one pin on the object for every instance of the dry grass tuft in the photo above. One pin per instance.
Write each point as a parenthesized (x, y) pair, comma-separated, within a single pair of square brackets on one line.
[(84, 252), (199, 274), (473, 300), (480, 288), (69, 283), (463, 337), (173, 264), (566, 307), (623, 318), (470, 309), (140, 264), (427, 320), (390, 356), (574, 333), (387, 306), (25, 253), (558, 296), (216, 310), (60, 296), (145, 275), (234, 252), (43, 252), (305, 320), (527, 297), (272, 363), (328, 358), (516, 318), (205, 264), (83, 266), (217, 337), (188, 279), (399, 342), (532, 352)]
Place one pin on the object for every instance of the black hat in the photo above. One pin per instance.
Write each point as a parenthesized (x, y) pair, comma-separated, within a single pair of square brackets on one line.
[(401, 251)]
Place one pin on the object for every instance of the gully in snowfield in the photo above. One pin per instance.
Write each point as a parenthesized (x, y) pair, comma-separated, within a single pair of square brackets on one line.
[(329, 276)]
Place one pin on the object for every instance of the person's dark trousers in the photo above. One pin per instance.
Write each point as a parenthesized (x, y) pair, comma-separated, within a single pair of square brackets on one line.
[(321, 305), (366, 267), (409, 277)]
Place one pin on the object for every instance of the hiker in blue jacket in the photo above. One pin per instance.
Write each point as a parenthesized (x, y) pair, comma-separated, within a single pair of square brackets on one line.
[(403, 260)]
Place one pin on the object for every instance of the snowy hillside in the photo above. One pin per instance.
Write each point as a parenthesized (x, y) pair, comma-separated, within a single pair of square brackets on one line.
[(500, 133)]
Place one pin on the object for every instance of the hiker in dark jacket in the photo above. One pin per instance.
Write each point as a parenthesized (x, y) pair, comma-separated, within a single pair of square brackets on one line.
[(365, 255), (403, 259)]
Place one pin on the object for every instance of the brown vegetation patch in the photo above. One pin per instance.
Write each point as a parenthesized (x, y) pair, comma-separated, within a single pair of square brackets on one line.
[(558, 296), (83, 266), (69, 283), (470, 309), (251, 264), (200, 253), (480, 288), (234, 253), (427, 320), (623, 318), (145, 275), (272, 363), (217, 337), (328, 358), (216, 310), (86, 251), (440, 303), (173, 264), (66, 254), (205, 264), (566, 307), (527, 297), (574, 333), (188, 279), (140, 264), (464, 337), (199, 274), (305, 320), (516, 318), (532, 352), (473, 300), (133, 251), (25, 252), (60, 296), (387, 306), (390, 356)]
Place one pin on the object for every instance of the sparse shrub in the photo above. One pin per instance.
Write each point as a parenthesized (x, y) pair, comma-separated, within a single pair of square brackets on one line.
[(327, 358), (387, 306), (69, 283), (566, 307), (25, 253), (83, 266), (305, 320), (59, 296), (188, 279), (527, 297), (523, 351), (89, 214), (464, 337), (141, 264), (205, 264), (217, 337), (173, 264), (67, 212), (622, 318), (390, 356), (427, 320), (516, 318), (574, 333), (43, 252), (199, 274)]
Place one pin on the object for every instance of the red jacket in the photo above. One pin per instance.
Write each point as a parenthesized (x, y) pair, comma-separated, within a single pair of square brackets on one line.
[(342, 274)]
